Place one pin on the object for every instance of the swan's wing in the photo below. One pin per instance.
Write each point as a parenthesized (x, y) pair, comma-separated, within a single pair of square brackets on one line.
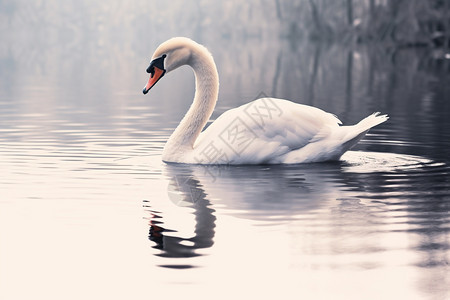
[(261, 131)]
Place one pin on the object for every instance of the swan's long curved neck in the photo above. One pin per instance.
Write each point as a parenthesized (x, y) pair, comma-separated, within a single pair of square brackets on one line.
[(206, 93)]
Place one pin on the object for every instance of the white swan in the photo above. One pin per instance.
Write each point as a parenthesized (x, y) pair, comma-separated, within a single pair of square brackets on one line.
[(264, 131)]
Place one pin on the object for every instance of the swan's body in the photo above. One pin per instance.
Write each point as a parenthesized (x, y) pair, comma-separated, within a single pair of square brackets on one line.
[(265, 131)]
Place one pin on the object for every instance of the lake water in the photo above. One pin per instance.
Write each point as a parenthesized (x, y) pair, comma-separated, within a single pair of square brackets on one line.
[(89, 211)]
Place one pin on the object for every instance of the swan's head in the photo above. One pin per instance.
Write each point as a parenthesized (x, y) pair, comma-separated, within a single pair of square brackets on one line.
[(168, 56)]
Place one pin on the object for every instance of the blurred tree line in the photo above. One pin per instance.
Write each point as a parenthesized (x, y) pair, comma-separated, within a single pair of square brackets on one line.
[(401, 22)]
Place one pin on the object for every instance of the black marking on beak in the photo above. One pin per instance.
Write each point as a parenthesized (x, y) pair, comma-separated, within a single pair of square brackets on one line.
[(157, 62)]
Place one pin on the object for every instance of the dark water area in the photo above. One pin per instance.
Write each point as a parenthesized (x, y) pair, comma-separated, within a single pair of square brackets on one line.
[(89, 211)]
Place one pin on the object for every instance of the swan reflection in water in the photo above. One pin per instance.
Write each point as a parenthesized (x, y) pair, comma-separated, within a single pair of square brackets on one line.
[(263, 190), (276, 194), (184, 190)]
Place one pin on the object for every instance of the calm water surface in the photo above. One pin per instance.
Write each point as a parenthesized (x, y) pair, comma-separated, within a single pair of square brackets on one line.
[(89, 211)]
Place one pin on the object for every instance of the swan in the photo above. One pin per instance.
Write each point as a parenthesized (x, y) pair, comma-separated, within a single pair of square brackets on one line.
[(264, 131)]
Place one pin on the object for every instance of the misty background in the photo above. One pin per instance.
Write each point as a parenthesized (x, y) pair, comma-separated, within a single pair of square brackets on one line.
[(88, 210)]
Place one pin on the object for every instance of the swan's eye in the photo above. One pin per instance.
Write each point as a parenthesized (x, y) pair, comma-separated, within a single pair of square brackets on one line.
[(151, 70)]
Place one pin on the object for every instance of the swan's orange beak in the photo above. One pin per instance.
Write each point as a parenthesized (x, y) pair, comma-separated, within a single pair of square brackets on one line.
[(156, 70), (154, 77)]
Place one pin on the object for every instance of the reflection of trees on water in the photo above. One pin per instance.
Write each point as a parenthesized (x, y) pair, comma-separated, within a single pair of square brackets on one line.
[(408, 84)]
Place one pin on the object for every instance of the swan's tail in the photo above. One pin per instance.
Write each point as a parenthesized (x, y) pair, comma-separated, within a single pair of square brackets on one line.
[(371, 121), (358, 131)]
